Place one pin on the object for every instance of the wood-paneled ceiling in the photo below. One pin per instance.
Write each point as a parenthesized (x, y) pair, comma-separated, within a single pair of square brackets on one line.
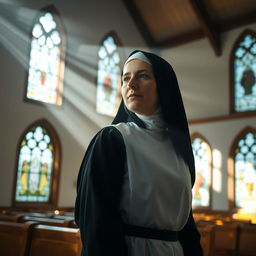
[(167, 23)]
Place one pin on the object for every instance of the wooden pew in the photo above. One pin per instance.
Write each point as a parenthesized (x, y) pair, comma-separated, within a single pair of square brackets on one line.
[(48, 221), (225, 240), (69, 219), (34, 214), (10, 217), (206, 241), (54, 241), (14, 238), (247, 240)]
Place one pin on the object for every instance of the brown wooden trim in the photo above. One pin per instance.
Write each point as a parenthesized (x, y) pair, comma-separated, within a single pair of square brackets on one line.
[(231, 68), (10, 209), (55, 180), (138, 20), (199, 135), (207, 25), (61, 29), (231, 167), (237, 22), (232, 116)]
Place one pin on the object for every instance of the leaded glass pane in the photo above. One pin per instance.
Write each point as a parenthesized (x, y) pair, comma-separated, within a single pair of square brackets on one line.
[(245, 172), (35, 167), (245, 75), (108, 82), (201, 189), (44, 81)]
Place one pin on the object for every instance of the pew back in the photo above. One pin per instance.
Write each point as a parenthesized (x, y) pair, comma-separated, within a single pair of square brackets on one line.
[(54, 241), (247, 240), (47, 221), (225, 238), (14, 238)]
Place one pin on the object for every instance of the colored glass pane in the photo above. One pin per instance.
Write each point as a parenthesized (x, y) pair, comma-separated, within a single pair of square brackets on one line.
[(35, 167), (245, 74), (201, 189), (108, 78), (245, 171), (44, 81)]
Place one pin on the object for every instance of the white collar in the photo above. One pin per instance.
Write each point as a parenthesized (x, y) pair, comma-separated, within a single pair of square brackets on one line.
[(154, 121)]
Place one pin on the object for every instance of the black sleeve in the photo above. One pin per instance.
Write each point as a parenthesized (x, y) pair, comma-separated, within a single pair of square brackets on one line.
[(189, 238), (98, 195)]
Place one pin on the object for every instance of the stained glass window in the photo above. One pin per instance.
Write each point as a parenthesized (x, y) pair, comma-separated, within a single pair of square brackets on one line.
[(245, 171), (109, 78), (244, 73), (46, 66), (203, 161), (35, 166)]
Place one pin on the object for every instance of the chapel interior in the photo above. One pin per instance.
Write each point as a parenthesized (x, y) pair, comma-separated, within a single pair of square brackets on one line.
[(60, 84)]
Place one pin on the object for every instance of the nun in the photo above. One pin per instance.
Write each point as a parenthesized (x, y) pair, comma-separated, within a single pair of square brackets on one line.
[(134, 184)]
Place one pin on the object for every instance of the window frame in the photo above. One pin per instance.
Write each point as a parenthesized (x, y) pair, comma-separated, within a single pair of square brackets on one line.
[(57, 17), (55, 178), (231, 167), (232, 111), (120, 46), (204, 208)]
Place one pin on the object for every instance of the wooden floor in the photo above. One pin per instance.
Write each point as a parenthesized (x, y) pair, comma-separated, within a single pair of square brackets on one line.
[(47, 233)]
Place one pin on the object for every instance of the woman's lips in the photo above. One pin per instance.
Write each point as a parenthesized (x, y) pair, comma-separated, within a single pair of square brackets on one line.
[(133, 96)]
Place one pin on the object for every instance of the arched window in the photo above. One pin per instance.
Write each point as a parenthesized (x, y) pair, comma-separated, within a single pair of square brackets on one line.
[(47, 54), (203, 164), (38, 166), (109, 76), (243, 154), (243, 73)]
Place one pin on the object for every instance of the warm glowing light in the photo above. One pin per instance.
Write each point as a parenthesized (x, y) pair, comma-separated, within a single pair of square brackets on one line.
[(207, 218), (253, 221), (217, 164), (56, 212), (219, 222), (242, 215)]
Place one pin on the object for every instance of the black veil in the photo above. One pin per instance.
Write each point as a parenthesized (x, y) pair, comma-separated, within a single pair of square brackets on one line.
[(172, 108)]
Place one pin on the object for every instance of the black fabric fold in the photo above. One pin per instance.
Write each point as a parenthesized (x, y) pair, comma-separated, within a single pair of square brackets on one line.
[(98, 194)]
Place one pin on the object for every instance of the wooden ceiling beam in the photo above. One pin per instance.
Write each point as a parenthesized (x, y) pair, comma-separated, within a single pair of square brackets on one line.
[(238, 21), (207, 25), (141, 25)]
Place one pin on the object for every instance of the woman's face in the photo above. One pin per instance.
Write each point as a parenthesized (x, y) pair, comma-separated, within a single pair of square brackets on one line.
[(139, 88)]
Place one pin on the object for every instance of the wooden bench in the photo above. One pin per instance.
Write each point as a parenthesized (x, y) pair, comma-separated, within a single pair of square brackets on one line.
[(247, 240), (48, 221), (70, 220), (206, 241), (54, 241), (14, 238), (35, 214), (225, 240), (10, 217)]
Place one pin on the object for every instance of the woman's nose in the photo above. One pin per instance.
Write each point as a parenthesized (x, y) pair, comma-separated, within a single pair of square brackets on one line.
[(132, 83)]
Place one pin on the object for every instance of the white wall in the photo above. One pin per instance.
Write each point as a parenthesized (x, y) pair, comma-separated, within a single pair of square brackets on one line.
[(203, 80), (203, 77), (220, 135), (86, 23), (204, 83)]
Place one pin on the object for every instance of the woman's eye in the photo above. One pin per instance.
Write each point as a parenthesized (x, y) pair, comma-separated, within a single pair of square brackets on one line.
[(143, 76), (125, 79)]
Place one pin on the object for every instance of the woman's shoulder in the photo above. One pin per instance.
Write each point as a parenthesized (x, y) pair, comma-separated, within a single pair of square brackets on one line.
[(125, 128), (108, 134)]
